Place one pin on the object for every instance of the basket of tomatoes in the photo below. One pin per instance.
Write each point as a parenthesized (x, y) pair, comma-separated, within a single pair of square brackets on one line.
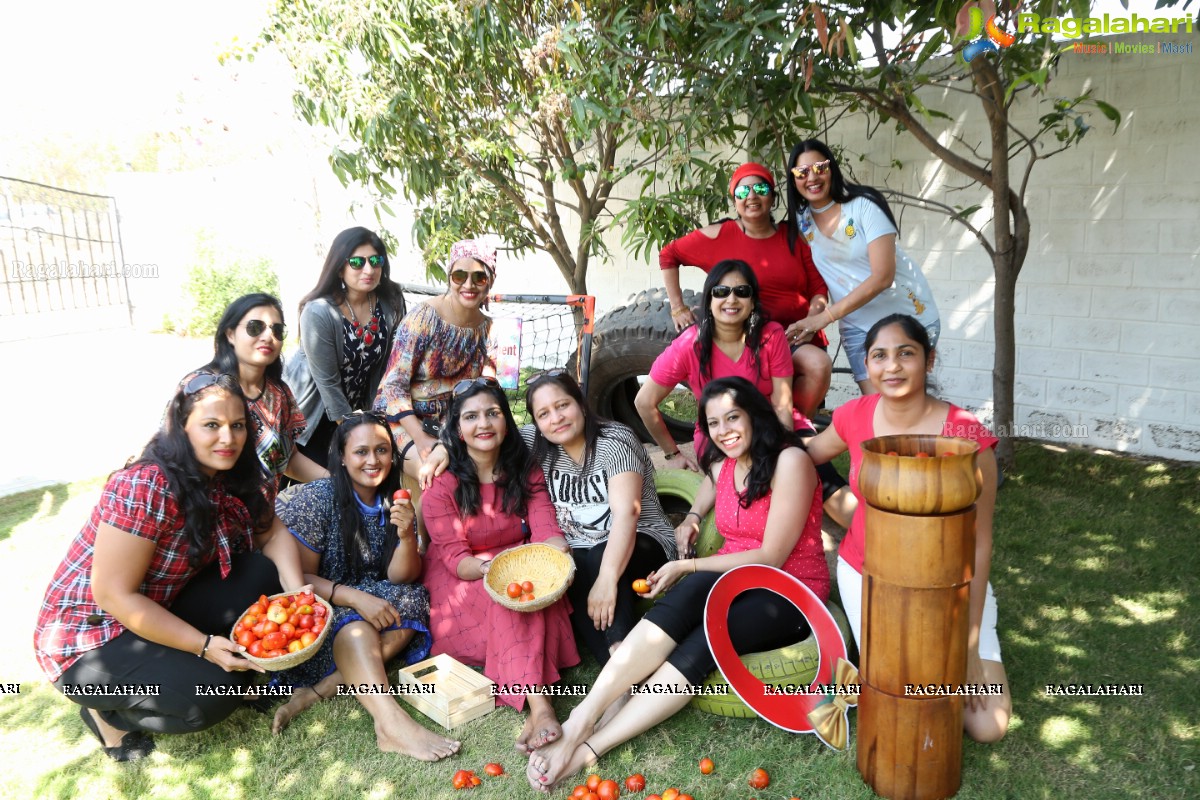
[(284, 630), (529, 577)]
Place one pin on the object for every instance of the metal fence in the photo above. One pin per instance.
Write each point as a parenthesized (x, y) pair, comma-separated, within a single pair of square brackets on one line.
[(59, 250)]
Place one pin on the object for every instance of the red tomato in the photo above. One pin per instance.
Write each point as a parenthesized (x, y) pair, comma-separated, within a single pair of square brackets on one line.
[(288, 630), (257, 630), (514, 589), (306, 622), (295, 645), (641, 586), (526, 598), (305, 609), (269, 627), (527, 587), (274, 641), (277, 614), (461, 779), (307, 638), (493, 769), (892, 453), (608, 790), (320, 610), (922, 454), (944, 455), (307, 598), (590, 796), (706, 766), (318, 626), (685, 797), (475, 780), (654, 797), (257, 610), (264, 602), (635, 782), (402, 494), (759, 779), (249, 621), (256, 649), (593, 781), (246, 638), (273, 653), (293, 619), (670, 794), (579, 792)]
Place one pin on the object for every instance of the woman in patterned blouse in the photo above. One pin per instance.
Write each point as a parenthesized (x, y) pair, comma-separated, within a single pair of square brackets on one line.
[(443, 341), (159, 575)]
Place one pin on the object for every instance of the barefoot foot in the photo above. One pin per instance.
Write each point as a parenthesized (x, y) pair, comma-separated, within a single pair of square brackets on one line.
[(548, 765), (301, 700), (541, 727), (538, 771), (403, 735)]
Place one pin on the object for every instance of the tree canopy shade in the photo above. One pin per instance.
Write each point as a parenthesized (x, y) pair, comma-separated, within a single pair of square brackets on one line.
[(522, 119)]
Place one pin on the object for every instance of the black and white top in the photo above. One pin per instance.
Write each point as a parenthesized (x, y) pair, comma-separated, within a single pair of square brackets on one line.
[(581, 497)]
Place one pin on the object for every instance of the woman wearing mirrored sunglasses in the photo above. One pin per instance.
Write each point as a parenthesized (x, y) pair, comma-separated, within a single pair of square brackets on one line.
[(346, 327), (854, 243), (443, 341), (493, 498), (247, 346), (791, 286)]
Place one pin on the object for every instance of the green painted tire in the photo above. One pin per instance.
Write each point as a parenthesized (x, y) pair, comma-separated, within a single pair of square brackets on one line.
[(793, 665)]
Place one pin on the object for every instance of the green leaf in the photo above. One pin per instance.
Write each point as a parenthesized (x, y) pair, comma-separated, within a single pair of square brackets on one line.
[(1110, 112)]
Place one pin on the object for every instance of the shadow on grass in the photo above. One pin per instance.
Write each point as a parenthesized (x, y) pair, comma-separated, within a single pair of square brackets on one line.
[(1097, 573), (24, 506)]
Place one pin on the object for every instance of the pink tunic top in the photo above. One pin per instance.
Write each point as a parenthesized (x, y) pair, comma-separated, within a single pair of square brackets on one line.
[(680, 364), (854, 421), (516, 649), (743, 529)]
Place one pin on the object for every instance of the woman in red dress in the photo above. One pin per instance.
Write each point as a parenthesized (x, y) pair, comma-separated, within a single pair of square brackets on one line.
[(493, 498)]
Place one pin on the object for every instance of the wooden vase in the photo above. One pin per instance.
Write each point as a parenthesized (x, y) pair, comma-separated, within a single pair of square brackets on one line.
[(917, 569)]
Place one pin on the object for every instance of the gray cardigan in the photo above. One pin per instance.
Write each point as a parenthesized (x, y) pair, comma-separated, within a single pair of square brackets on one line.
[(314, 372)]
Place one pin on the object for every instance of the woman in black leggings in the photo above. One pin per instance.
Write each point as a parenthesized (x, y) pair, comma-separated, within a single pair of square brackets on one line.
[(747, 456), (133, 625)]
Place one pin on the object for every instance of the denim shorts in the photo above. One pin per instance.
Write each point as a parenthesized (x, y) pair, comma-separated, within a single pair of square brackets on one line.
[(854, 342)]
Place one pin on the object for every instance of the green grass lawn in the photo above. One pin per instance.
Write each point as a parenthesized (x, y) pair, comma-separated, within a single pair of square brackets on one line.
[(1096, 572)]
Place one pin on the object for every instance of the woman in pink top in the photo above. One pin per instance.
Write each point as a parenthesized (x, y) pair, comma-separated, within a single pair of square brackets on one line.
[(767, 502), (898, 357), (492, 498)]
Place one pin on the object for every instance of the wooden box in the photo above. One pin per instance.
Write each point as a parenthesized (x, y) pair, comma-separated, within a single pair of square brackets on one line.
[(460, 694)]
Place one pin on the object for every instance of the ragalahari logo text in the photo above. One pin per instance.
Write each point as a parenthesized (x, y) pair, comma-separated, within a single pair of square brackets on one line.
[(979, 22)]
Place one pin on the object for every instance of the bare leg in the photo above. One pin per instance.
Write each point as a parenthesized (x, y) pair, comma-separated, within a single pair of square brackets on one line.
[(640, 655), (541, 726), (112, 736), (813, 371), (358, 652), (641, 713), (841, 506), (392, 643), (990, 722)]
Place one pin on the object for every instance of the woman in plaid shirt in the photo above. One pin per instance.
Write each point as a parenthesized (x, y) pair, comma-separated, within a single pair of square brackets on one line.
[(132, 626)]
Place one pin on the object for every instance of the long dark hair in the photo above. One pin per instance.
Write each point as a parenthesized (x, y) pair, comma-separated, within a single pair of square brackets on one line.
[(355, 543), (840, 189), (512, 468), (753, 325), (768, 438), (224, 357), (543, 451), (171, 451), (329, 284)]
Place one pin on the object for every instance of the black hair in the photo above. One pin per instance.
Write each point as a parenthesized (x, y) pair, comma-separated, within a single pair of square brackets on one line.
[(840, 189), (329, 283), (913, 330), (768, 438), (355, 543), (753, 325), (592, 424), (225, 358), (512, 468), (171, 451)]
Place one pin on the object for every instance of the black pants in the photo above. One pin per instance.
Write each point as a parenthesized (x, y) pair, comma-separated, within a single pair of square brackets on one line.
[(211, 605), (647, 556), (758, 620)]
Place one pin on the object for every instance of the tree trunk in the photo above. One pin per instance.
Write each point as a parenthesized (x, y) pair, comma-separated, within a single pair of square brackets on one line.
[(1004, 364)]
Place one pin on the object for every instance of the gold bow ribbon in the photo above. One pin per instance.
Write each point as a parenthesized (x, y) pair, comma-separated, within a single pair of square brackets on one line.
[(830, 720)]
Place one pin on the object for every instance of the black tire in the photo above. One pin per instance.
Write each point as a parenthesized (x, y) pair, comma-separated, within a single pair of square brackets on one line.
[(625, 343)]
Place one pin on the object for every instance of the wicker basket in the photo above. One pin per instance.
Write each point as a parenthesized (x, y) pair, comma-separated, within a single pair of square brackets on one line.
[(297, 658), (549, 570)]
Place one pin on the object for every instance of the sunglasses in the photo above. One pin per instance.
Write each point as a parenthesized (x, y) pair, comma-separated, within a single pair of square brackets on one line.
[(207, 379), (762, 189), (255, 327), (369, 416), (358, 262), (742, 290), (467, 383), (545, 374), (478, 277), (819, 168)]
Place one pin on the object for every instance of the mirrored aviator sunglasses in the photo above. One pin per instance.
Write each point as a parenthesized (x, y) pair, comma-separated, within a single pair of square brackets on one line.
[(204, 380), (742, 290), (358, 262), (467, 383), (762, 189), (255, 327), (819, 168)]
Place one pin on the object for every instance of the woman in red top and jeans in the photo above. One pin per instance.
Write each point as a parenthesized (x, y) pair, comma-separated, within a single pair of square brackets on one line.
[(135, 617), (792, 289)]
